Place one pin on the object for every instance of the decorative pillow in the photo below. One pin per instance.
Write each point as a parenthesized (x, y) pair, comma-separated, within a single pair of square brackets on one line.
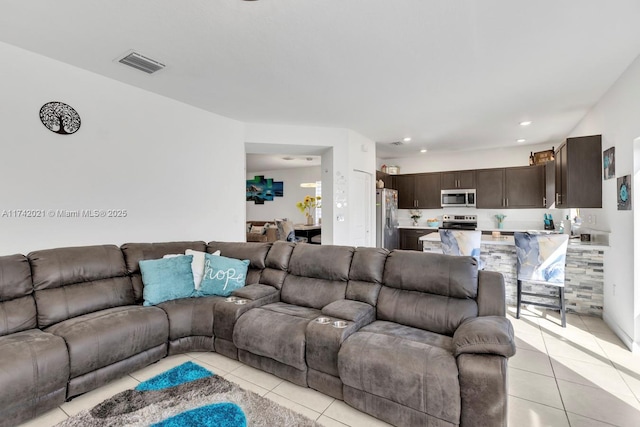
[(166, 279), (285, 230), (197, 265), (223, 275), (249, 227)]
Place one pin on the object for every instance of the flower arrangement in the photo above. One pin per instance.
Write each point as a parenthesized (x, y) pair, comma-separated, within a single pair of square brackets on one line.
[(307, 204), (415, 215), (500, 218)]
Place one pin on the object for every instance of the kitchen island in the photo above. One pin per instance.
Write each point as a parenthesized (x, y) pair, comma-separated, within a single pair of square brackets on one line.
[(584, 275)]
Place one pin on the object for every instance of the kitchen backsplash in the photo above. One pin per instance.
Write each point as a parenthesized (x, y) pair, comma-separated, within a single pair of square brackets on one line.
[(516, 219)]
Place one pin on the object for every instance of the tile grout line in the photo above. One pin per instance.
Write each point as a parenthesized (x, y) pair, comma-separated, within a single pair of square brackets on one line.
[(555, 379)]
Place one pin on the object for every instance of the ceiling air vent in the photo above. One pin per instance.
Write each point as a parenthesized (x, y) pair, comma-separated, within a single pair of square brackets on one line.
[(397, 143), (142, 63)]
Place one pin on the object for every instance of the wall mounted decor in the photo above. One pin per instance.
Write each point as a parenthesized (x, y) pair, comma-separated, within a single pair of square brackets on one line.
[(624, 193), (60, 118), (260, 189), (609, 163)]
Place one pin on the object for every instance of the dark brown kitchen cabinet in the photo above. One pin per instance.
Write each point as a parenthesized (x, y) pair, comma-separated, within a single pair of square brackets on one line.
[(386, 178), (578, 173), (405, 184), (409, 238), (418, 191), (490, 188), (517, 187), (524, 187), (458, 179)]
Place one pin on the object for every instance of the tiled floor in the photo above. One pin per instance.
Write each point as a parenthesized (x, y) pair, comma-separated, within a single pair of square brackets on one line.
[(581, 376)]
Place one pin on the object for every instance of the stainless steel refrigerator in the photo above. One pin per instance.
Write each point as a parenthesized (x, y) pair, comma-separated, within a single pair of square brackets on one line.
[(387, 218)]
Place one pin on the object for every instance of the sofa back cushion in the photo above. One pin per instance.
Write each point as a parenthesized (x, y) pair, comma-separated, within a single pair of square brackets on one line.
[(136, 252), (17, 307), (277, 264), (429, 291), (365, 274), (255, 252), (318, 275), (69, 282)]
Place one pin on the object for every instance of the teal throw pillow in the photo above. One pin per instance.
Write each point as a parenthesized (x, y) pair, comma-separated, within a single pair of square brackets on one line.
[(167, 279), (223, 275)]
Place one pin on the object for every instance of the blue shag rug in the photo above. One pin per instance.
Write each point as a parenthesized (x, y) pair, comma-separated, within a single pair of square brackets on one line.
[(187, 395)]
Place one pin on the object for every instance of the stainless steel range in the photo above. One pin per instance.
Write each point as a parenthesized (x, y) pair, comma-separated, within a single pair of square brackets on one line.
[(460, 222)]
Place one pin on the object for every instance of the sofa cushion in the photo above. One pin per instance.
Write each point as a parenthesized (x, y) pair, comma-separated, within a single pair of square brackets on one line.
[(276, 331), (34, 370), (17, 306), (418, 375), (74, 281), (190, 316), (411, 334), (365, 274), (223, 275), (167, 279), (96, 340)]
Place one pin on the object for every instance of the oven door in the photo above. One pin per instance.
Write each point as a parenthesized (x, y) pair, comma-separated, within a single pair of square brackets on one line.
[(450, 198)]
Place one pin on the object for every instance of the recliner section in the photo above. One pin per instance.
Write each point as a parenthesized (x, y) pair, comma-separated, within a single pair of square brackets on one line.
[(424, 342)]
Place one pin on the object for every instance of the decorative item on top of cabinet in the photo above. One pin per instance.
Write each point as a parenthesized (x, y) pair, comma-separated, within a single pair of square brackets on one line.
[(578, 169)]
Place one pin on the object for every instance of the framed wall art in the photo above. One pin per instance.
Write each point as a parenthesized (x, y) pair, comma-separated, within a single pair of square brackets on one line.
[(624, 193), (609, 163), (261, 189)]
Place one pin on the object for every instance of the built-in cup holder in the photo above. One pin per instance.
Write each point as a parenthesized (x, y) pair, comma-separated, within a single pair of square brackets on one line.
[(323, 320), (231, 299), (241, 301), (339, 324)]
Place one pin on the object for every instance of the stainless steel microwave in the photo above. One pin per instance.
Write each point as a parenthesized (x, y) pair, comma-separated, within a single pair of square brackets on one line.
[(457, 197)]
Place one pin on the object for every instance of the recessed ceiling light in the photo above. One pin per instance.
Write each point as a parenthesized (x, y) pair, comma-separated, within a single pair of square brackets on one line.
[(521, 140), (407, 139), (525, 123), (424, 150)]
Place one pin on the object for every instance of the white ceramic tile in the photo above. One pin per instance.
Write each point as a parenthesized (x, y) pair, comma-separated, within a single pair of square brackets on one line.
[(530, 341), (309, 413), (219, 362), (340, 411), (586, 350), (246, 385), (530, 414), (160, 366), (92, 398), (600, 405), (631, 379), (330, 422), (304, 396), (534, 387), (47, 419), (263, 379), (532, 361), (595, 324), (580, 421), (593, 375)]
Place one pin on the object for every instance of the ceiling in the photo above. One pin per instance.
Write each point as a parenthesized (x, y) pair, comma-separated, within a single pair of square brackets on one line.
[(453, 75)]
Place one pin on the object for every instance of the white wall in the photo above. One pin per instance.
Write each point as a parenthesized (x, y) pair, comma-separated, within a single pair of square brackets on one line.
[(616, 118), (158, 159), (284, 207)]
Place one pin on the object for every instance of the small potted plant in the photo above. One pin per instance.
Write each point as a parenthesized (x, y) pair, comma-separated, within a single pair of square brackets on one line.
[(500, 218), (306, 205), (415, 215)]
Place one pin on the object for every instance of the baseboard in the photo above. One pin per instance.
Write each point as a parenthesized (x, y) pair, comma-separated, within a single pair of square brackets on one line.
[(633, 346)]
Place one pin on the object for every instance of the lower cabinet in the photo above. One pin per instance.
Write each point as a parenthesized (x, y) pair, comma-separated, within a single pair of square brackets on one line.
[(409, 238)]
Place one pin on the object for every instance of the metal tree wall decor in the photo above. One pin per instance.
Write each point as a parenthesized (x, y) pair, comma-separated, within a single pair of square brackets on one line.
[(60, 118)]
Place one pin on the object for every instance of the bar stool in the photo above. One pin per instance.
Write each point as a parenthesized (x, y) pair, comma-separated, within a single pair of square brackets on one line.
[(541, 261), (462, 243)]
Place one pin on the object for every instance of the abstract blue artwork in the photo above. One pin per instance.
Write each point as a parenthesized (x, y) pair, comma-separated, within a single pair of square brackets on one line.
[(461, 242), (624, 193), (261, 189), (541, 257)]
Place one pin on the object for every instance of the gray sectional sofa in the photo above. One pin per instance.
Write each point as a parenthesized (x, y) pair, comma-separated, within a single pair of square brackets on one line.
[(424, 340)]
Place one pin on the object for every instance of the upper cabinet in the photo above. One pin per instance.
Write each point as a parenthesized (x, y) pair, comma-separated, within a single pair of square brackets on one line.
[(419, 191), (517, 187), (578, 173), (386, 178), (458, 179)]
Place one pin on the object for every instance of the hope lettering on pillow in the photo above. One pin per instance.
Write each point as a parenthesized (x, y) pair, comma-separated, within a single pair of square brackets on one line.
[(223, 275)]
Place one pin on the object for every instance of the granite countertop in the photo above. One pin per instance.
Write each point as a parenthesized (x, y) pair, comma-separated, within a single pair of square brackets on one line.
[(508, 240)]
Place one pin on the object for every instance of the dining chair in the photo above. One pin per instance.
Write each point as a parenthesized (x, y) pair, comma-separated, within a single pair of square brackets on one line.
[(541, 260), (462, 243)]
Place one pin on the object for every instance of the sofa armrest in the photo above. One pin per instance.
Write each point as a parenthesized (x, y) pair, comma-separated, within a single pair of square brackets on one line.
[(357, 312), (255, 291), (485, 335), (491, 294)]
